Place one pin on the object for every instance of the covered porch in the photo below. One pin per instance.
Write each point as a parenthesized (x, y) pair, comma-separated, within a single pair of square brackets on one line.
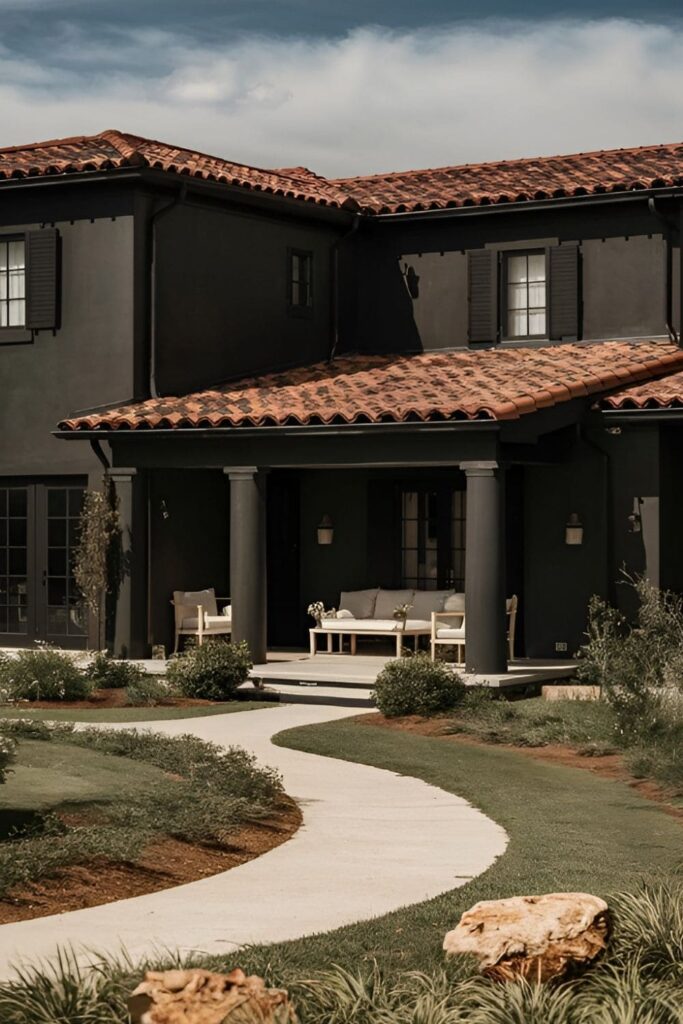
[(227, 489)]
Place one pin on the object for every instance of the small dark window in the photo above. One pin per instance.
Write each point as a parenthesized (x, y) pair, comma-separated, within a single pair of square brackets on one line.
[(12, 282), (300, 279), (525, 295)]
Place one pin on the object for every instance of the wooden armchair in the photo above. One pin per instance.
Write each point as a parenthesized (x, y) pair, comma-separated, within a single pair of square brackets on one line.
[(443, 632), (196, 614)]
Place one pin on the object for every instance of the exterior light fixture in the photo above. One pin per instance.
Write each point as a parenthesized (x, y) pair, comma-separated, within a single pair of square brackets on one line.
[(573, 531), (325, 530)]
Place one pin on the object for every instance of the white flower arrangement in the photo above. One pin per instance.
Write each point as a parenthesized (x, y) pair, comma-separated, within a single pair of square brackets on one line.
[(317, 611)]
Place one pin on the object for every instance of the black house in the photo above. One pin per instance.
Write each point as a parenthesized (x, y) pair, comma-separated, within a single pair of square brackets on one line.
[(451, 365)]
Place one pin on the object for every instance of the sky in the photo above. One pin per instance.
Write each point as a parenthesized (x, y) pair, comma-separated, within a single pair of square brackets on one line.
[(350, 87)]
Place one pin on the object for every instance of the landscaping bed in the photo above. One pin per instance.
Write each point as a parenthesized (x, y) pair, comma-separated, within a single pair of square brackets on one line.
[(89, 817)]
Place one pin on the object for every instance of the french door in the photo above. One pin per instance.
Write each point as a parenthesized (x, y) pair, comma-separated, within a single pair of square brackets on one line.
[(432, 537), (39, 600)]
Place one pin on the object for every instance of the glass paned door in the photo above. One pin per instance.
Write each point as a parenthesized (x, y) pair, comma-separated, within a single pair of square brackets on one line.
[(39, 600), (433, 538), (14, 550), (65, 613)]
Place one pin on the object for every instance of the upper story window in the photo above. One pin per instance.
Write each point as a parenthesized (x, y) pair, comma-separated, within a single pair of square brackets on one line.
[(300, 279), (525, 292), (12, 282), (524, 295)]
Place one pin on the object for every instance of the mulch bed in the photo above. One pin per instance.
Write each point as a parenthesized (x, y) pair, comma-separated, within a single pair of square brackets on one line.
[(111, 699), (609, 766), (166, 863)]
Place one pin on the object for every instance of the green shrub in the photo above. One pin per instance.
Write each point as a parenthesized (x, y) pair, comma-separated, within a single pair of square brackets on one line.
[(417, 686), (212, 671), (147, 691), (107, 673), (636, 664), (7, 751), (43, 674)]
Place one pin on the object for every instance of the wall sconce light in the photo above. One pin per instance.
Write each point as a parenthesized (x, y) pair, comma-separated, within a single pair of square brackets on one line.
[(573, 531), (635, 520), (165, 514), (325, 530)]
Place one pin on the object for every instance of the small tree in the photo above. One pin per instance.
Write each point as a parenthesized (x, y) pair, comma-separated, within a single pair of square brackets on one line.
[(97, 558)]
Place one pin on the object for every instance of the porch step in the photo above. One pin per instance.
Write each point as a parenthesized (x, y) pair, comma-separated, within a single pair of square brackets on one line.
[(309, 693)]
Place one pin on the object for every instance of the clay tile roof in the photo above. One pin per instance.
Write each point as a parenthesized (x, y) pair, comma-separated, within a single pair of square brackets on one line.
[(491, 384), (666, 393), (508, 181), (114, 149), (515, 181)]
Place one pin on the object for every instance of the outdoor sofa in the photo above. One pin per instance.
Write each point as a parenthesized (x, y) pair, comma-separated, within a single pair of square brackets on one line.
[(438, 614), (371, 613)]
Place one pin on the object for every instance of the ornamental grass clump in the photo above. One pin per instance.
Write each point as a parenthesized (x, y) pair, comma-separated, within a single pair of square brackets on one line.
[(43, 674), (212, 671), (417, 686)]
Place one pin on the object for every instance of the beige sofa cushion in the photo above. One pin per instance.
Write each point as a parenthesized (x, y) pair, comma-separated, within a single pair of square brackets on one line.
[(387, 600), (427, 601), (361, 603), (454, 603)]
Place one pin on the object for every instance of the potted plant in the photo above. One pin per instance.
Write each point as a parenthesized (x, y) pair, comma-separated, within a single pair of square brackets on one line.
[(317, 611), (401, 614)]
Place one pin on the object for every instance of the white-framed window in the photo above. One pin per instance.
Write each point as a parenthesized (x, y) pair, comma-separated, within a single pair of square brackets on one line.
[(12, 282), (525, 295)]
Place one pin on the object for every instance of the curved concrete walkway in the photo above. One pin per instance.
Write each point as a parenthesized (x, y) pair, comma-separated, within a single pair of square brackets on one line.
[(371, 842)]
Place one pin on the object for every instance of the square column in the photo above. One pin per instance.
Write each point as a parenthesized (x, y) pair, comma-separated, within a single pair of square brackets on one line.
[(248, 558), (485, 613), (130, 612)]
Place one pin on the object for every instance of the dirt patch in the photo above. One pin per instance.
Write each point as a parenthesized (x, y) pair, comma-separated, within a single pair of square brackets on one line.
[(166, 863), (609, 766)]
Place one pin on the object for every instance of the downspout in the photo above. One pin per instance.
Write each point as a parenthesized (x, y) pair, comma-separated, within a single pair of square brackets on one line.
[(670, 227), (153, 220), (335, 284), (101, 457)]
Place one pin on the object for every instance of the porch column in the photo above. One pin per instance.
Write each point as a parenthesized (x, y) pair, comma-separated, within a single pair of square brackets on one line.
[(485, 618), (130, 614), (248, 558)]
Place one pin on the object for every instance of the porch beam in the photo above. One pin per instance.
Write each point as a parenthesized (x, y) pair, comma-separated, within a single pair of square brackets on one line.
[(248, 557), (485, 617)]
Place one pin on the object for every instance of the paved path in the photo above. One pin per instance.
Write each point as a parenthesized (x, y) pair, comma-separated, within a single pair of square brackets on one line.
[(371, 842)]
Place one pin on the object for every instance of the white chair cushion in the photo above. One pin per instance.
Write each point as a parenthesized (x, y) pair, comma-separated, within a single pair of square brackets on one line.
[(361, 603), (427, 601), (446, 633), (216, 622), (454, 603), (378, 625), (388, 600)]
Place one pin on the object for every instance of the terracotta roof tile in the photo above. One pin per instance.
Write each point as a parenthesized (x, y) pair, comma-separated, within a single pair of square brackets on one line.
[(515, 181), (114, 149), (507, 181), (490, 384), (666, 393)]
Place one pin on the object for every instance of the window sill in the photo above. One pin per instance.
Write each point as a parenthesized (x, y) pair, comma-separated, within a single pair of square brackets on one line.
[(15, 336)]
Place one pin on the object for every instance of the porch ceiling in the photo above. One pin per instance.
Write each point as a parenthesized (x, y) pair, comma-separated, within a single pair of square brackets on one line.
[(496, 384)]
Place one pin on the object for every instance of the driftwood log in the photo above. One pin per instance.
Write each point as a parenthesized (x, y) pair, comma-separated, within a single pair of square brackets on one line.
[(200, 997), (536, 937)]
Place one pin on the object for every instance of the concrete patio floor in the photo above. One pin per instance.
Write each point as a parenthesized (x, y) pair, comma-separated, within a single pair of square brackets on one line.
[(361, 670), (371, 842)]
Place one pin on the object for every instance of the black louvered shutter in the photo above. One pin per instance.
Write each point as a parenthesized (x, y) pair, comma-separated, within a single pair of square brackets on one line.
[(482, 288), (41, 279), (564, 292)]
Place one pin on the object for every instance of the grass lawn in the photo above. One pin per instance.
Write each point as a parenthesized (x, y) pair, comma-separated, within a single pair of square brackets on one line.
[(50, 775), (153, 714), (569, 830)]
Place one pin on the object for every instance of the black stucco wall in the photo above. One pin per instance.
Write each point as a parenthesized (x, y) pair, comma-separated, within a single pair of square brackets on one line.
[(222, 296)]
